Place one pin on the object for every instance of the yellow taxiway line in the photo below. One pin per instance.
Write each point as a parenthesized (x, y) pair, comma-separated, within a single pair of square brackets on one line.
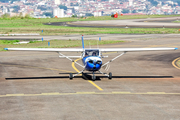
[(174, 62), (89, 93), (73, 65)]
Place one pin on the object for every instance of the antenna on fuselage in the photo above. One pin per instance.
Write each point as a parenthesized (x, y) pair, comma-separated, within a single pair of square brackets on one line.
[(82, 42), (97, 45)]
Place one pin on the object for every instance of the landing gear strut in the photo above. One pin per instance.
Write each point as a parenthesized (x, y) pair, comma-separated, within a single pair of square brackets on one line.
[(93, 77), (109, 76), (71, 75)]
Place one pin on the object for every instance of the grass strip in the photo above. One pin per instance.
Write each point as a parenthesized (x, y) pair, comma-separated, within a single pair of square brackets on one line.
[(89, 31), (55, 44), (33, 25)]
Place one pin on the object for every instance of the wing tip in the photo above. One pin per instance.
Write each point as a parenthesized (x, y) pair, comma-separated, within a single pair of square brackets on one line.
[(176, 48), (5, 48)]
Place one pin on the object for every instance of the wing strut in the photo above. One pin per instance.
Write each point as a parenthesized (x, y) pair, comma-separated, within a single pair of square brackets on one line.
[(70, 59), (114, 59)]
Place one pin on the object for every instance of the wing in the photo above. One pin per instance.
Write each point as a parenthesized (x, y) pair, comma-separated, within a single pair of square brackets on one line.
[(133, 49), (47, 49)]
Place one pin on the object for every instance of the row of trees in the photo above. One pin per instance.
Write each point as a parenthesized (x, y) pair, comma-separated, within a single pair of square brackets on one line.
[(7, 16), (6, 1)]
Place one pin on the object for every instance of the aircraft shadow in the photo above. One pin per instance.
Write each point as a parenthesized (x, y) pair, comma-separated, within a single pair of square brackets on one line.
[(85, 77), (142, 77), (51, 77)]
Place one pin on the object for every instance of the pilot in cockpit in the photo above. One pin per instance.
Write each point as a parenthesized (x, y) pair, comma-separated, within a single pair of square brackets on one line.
[(86, 54), (94, 54)]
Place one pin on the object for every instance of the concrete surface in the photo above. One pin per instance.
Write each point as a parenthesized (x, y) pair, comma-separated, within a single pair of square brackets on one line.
[(145, 85), (137, 23)]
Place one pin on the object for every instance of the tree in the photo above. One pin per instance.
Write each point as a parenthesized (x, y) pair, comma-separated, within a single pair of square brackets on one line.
[(13, 1), (62, 7), (89, 14), (178, 1), (74, 15), (125, 11), (134, 11), (5, 15), (41, 8), (48, 14), (16, 8), (154, 3), (6, 1), (72, 4)]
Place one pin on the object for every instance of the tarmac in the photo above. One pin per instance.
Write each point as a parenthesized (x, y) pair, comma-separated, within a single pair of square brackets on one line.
[(145, 85), (130, 23), (124, 37)]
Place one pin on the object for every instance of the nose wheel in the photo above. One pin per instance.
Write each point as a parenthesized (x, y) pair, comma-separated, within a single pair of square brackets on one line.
[(93, 77)]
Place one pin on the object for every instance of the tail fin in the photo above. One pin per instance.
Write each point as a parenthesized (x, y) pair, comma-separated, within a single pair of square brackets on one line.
[(82, 42)]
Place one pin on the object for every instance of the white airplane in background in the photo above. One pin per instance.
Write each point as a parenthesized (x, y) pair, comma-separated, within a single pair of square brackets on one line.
[(91, 58)]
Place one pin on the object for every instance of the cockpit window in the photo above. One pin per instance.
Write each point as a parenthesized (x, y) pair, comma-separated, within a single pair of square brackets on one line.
[(91, 53)]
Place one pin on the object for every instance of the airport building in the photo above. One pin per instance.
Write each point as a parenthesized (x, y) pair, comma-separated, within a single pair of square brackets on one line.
[(57, 2), (58, 13), (97, 13), (130, 2)]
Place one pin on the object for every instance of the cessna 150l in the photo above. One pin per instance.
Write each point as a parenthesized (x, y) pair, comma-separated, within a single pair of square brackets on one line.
[(91, 58)]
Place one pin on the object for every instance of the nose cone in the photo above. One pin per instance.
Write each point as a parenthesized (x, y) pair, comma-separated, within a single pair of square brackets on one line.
[(93, 64)]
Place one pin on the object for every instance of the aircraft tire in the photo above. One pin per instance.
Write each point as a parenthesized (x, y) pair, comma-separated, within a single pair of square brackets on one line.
[(93, 77), (70, 76), (110, 75)]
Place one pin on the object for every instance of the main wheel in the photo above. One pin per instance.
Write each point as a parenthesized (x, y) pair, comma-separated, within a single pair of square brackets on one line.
[(110, 75), (93, 77), (70, 76)]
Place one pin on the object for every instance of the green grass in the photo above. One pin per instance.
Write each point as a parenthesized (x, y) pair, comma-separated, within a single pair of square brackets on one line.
[(178, 63), (55, 44), (177, 21), (18, 25), (7, 42)]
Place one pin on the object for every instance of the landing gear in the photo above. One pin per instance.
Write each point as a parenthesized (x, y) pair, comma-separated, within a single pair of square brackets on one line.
[(110, 75), (70, 76), (93, 77)]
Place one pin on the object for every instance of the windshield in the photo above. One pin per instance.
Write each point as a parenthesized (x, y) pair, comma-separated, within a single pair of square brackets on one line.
[(91, 53)]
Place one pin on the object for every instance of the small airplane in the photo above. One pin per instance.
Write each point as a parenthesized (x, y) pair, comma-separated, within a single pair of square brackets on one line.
[(91, 57)]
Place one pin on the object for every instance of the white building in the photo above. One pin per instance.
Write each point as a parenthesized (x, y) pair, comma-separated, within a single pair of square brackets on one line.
[(130, 2), (57, 2), (58, 13), (97, 13), (24, 1), (78, 1), (4, 10)]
